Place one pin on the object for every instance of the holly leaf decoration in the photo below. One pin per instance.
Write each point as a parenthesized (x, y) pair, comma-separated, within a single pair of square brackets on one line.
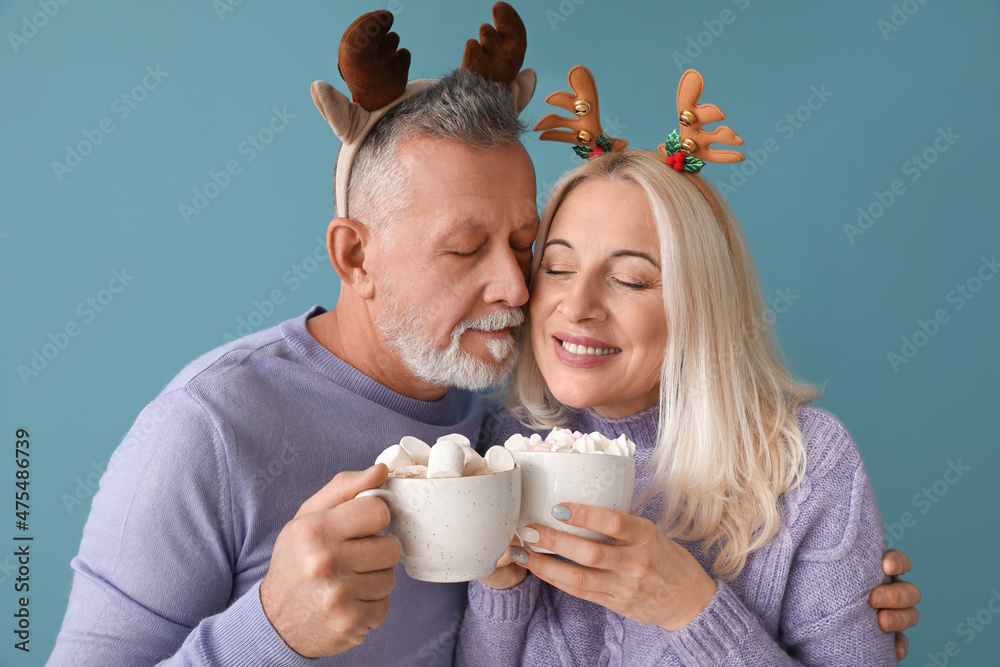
[(604, 141), (582, 151), (693, 165), (673, 143)]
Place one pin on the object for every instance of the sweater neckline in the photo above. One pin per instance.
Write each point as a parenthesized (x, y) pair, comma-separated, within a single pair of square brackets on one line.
[(641, 428), (335, 369)]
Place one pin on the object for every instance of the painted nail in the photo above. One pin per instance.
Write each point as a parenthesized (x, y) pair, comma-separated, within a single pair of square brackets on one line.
[(530, 535), (561, 512), (519, 556)]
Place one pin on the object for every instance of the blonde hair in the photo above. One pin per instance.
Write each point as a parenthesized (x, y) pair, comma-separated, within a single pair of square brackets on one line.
[(728, 440)]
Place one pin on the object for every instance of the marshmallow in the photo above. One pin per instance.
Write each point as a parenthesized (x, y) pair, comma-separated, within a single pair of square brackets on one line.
[(447, 459), (485, 470), (473, 461), (416, 448), (394, 457), (410, 472), (557, 434), (499, 459), (535, 439), (457, 438), (516, 442), (586, 445)]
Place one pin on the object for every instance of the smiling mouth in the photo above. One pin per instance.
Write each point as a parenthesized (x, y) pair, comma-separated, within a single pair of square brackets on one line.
[(584, 350)]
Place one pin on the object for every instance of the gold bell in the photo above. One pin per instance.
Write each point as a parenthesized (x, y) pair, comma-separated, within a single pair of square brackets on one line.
[(688, 147), (687, 118), (583, 137), (581, 107)]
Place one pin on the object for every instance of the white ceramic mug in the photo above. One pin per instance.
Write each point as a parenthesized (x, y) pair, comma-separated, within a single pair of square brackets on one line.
[(551, 478), (454, 528)]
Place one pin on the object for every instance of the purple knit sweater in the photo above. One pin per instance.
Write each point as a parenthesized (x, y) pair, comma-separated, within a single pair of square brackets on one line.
[(181, 531), (800, 600)]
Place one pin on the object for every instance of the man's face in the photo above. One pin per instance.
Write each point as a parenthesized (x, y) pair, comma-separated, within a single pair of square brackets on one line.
[(453, 271)]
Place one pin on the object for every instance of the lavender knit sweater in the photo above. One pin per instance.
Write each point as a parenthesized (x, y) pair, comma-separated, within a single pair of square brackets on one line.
[(181, 531), (800, 600)]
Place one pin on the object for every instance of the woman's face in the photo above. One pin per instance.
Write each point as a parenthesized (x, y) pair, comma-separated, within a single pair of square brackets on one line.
[(598, 324)]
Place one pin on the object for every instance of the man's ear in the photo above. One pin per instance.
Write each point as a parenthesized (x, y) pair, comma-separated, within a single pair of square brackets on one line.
[(347, 243)]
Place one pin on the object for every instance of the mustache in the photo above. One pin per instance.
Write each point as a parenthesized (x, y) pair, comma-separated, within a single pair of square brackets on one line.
[(508, 318)]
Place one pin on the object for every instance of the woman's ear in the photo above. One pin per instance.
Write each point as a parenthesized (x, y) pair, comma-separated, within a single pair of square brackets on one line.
[(347, 243)]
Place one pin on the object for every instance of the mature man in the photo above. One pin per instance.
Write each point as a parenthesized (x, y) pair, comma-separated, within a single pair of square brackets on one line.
[(217, 536)]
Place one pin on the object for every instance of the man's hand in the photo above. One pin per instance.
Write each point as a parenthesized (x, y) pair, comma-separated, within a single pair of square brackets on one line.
[(899, 597), (330, 576)]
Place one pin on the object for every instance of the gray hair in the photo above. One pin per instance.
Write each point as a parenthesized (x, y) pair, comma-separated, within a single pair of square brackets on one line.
[(462, 107)]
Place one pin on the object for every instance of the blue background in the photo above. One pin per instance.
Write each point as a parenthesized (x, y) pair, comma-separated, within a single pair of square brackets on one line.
[(893, 75)]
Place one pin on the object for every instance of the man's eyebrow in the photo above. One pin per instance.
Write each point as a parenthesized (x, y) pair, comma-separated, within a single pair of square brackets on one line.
[(636, 253)]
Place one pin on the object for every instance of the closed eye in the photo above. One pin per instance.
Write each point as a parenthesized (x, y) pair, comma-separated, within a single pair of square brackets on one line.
[(636, 286)]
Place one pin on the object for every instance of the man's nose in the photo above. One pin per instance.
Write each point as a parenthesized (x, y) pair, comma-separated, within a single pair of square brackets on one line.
[(506, 280)]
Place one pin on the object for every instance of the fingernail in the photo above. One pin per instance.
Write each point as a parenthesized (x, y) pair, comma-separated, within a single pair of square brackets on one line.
[(530, 535), (519, 556), (561, 512), (880, 599)]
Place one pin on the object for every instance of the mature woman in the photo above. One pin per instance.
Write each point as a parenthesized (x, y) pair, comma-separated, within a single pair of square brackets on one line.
[(758, 539)]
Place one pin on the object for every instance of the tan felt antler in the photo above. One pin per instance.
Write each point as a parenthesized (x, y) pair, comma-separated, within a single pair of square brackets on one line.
[(695, 141), (499, 53), (585, 127), (374, 70)]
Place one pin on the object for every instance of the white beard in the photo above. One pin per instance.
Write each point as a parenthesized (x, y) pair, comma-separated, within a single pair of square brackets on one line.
[(406, 335)]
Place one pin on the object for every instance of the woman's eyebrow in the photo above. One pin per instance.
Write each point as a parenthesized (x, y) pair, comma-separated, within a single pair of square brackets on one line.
[(636, 253), (558, 242)]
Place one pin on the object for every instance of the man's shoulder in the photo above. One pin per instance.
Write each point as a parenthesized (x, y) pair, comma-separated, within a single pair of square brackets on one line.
[(226, 357)]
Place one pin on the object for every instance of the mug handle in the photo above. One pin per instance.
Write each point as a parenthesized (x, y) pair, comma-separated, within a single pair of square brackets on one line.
[(386, 495)]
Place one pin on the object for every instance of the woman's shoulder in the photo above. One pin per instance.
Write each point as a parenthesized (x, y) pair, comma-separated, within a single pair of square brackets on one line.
[(834, 493), (829, 445)]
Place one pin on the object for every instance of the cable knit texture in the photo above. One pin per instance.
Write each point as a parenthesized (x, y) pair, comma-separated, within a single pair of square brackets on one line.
[(800, 600), (181, 531)]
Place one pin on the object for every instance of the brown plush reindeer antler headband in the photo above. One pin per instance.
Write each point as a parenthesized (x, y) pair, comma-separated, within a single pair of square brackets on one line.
[(685, 152), (376, 74)]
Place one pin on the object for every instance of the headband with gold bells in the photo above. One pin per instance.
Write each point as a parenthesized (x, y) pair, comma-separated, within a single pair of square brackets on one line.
[(376, 74), (686, 151)]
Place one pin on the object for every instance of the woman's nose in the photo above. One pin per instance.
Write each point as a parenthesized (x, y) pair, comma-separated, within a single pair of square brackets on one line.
[(582, 301)]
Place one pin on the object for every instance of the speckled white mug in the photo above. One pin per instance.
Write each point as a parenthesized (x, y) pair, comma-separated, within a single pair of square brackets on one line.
[(455, 528), (550, 478)]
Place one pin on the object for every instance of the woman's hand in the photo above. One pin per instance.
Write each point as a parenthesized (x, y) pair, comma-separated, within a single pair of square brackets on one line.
[(644, 576), (508, 573)]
